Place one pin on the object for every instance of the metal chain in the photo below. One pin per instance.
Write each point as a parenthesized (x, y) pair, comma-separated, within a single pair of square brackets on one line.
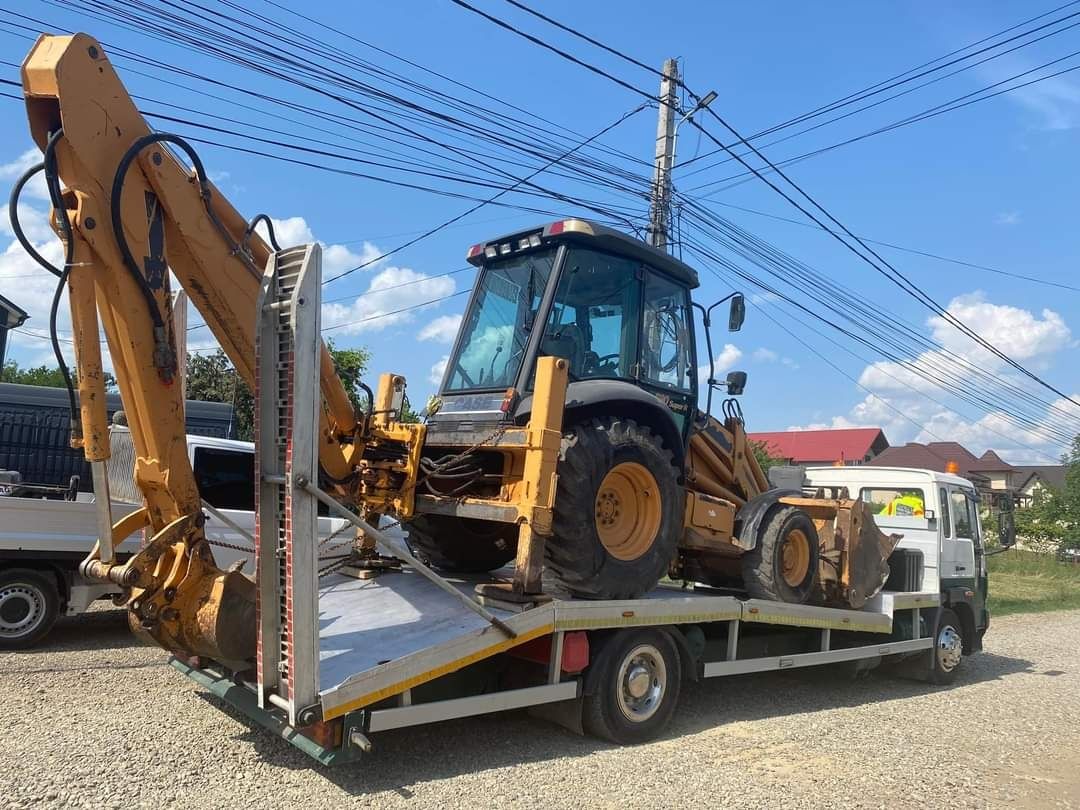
[(233, 546)]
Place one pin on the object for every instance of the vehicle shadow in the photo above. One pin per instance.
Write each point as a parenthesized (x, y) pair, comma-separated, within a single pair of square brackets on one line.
[(427, 753), (101, 628)]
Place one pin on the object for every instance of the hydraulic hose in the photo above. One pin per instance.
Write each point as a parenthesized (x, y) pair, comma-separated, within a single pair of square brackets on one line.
[(52, 182), (162, 354), (269, 227), (16, 226)]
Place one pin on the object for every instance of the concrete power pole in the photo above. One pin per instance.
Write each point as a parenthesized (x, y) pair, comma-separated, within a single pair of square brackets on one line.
[(660, 209)]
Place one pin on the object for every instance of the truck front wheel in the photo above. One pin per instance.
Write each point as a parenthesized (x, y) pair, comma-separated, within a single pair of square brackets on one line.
[(29, 605), (948, 648)]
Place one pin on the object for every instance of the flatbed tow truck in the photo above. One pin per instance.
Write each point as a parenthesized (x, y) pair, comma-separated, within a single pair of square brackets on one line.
[(566, 438), (395, 651)]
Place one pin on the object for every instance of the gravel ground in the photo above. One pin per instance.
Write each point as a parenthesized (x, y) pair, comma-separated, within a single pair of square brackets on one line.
[(93, 721)]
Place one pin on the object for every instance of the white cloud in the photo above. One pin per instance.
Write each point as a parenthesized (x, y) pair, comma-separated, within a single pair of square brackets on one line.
[(764, 355), (336, 258), (35, 189), (379, 307), (436, 374), (728, 357), (902, 404), (1054, 102), (1007, 218), (442, 330), (31, 287)]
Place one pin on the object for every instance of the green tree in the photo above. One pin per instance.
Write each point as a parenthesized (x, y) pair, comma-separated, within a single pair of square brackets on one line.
[(1054, 514), (43, 375), (212, 378), (764, 457)]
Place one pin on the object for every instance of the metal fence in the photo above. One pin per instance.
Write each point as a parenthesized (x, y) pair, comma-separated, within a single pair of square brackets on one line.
[(34, 432)]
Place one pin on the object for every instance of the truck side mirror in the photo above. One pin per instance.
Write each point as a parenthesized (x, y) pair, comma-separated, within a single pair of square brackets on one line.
[(737, 313), (736, 383)]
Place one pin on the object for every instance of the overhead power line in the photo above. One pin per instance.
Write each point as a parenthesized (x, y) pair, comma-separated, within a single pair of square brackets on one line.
[(914, 251)]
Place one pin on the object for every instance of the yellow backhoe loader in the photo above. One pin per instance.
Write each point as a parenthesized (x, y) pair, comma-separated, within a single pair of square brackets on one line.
[(565, 439)]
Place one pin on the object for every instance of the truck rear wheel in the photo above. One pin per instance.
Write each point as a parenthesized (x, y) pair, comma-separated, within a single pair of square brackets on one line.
[(617, 514), (783, 565), (29, 605), (632, 687), (461, 545)]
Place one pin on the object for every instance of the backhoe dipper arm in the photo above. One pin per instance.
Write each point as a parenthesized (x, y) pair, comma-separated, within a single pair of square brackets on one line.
[(135, 213)]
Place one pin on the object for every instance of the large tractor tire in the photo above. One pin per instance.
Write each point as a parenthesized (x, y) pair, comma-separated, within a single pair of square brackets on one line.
[(618, 511), (461, 545), (783, 565)]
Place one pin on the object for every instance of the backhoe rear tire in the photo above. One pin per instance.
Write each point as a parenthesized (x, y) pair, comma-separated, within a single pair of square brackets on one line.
[(462, 545), (618, 511), (783, 565)]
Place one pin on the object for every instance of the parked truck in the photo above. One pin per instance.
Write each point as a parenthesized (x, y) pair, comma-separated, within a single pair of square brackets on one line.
[(581, 532)]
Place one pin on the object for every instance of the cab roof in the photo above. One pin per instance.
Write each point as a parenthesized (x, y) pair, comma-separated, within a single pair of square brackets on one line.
[(588, 233)]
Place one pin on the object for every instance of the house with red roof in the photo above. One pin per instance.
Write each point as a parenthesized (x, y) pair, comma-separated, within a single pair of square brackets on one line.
[(850, 446), (993, 477)]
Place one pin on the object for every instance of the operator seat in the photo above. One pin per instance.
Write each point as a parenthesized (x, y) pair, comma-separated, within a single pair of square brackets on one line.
[(566, 341)]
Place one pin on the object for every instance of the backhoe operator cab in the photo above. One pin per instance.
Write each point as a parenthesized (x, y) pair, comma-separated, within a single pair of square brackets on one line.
[(617, 310)]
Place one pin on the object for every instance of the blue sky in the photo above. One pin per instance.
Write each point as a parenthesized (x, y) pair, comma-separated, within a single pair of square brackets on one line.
[(992, 184)]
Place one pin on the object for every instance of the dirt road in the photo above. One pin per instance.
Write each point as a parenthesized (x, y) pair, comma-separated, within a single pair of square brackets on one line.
[(91, 720)]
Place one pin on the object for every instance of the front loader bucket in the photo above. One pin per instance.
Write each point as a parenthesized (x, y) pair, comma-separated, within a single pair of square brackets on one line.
[(854, 552), (865, 552)]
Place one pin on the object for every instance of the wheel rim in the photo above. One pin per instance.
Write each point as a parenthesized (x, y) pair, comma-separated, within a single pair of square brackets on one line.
[(795, 557), (22, 609), (949, 648), (628, 510), (642, 683)]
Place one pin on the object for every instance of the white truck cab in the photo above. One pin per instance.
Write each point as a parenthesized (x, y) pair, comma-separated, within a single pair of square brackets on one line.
[(938, 516)]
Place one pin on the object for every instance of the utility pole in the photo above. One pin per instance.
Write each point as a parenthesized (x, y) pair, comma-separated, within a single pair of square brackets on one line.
[(660, 209)]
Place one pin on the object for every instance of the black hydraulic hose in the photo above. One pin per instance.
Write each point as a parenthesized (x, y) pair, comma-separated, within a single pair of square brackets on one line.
[(52, 181), (269, 227), (163, 358), (16, 226), (370, 398), (118, 224)]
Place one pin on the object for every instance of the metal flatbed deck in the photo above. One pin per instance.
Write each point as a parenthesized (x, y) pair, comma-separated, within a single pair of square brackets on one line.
[(381, 637)]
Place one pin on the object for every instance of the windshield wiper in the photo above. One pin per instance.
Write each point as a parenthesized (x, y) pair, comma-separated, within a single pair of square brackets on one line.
[(530, 291)]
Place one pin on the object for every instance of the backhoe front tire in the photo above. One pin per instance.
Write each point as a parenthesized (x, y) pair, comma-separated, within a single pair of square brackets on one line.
[(783, 565), (462, 545), (618, 511)]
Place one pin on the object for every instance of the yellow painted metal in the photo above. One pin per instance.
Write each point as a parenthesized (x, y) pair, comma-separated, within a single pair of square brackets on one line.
[(85, 335), (628, 511), (69, 82), (795, 557)]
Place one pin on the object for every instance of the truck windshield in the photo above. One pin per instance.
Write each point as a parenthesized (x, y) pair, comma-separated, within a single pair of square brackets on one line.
[(497, 325)]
